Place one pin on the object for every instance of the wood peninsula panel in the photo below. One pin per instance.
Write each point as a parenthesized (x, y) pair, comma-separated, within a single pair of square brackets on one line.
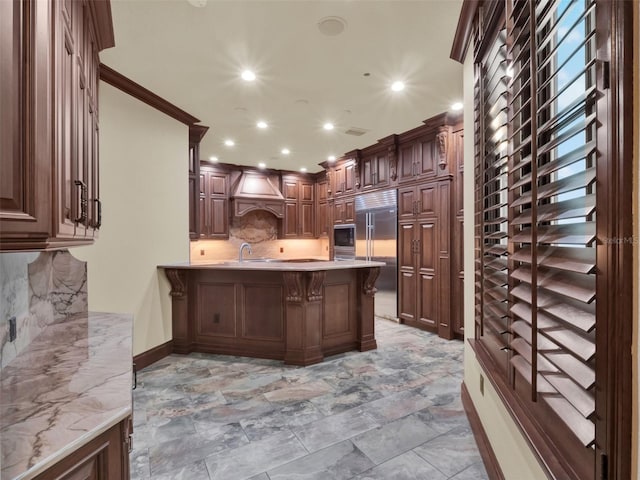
[(296, 316), (264, 304), (216, 310)]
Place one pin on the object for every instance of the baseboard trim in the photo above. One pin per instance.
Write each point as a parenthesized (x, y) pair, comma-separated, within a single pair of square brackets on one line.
[(482, 440), (149, 357)]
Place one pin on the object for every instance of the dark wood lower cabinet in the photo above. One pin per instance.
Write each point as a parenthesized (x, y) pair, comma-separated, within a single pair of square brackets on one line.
[(106, 457)]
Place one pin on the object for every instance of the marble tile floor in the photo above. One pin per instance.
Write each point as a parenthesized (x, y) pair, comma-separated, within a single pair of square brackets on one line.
[(389, 414)]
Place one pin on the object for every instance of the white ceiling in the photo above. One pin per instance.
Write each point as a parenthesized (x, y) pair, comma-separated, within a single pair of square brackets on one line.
[(193, 58)]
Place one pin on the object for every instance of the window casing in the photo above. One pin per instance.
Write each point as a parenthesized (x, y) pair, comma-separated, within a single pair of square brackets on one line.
[(543, 250)]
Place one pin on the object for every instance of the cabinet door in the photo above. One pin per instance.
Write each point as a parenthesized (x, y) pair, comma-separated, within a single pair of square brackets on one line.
[(219, 223), (349, 211), (203, 214), (407, 272), (338, 212), (367, 167), (381, 171), (349, 177), (290, 222), (213, 190), (322, 220), (426, 159), (306, 219), (339, 183), (406, 202), (321, 191), (426, 198), (24, 173), (290, 188), (427, 257), (306, 191), (406, 163), (67, 193)]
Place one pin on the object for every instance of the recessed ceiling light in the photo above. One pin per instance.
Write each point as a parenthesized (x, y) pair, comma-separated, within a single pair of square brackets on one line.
[(262, 124), (397, 86), (457, 106), (213, 159), (229, 143), (248, 76), (331, 158), (303, 169), (328, 126), (285, 151), (262, 165), (332, 26)]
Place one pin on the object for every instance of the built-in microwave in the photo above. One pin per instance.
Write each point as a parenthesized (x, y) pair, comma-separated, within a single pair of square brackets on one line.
[(344, 241)]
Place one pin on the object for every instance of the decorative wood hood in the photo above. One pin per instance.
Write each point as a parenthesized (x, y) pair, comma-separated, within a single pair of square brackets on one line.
[(256, 190)]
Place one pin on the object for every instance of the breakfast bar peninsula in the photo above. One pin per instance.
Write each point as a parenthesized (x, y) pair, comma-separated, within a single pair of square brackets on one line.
[(297, 310)]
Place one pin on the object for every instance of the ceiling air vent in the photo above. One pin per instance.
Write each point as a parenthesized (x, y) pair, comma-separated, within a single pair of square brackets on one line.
[(356, 131)]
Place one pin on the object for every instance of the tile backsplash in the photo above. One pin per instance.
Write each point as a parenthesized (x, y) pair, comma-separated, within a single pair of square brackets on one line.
[(260, 230), (38, 289)]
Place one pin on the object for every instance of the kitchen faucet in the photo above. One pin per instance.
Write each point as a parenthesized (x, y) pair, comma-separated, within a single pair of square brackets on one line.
[(242, 247)]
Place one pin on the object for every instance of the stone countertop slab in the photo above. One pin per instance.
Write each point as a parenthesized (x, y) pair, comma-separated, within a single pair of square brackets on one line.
[(276, 265), (70, 385)]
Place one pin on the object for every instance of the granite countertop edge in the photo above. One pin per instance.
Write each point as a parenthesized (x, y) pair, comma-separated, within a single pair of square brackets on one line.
[(85, 372), (68, 449), (277, 265)]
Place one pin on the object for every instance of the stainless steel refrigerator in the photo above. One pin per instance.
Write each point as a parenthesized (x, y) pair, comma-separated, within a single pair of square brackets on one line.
[(376, 239)]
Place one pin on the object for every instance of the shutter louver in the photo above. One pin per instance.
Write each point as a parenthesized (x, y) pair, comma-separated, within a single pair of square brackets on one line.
[(492, 199), (552, 205)]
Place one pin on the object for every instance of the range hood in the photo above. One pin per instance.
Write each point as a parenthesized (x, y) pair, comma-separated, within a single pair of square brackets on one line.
[(256, 191)]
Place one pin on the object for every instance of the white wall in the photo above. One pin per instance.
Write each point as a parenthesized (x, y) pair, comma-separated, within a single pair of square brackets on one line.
[(144, 191)]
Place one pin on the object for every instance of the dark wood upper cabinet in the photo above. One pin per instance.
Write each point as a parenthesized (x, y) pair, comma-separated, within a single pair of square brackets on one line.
[(374, 171), (344, 177), (49, 190), (196, 184), (299, 208), (324, 223), (418, 160), (213, 203)]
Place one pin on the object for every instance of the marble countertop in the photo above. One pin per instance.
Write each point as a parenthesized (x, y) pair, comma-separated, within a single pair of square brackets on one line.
[(72, 383), (275, 265)]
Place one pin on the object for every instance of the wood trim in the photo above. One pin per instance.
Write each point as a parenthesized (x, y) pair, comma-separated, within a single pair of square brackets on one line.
[(482, 440), (103, 23), (149, 357), (463, 30), (196, 134), (116, 79), (617, 333), (550, 460)]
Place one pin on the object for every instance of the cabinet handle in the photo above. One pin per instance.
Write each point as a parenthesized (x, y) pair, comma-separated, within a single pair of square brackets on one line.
[(418, 206), (98, 223), (83, 201)]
